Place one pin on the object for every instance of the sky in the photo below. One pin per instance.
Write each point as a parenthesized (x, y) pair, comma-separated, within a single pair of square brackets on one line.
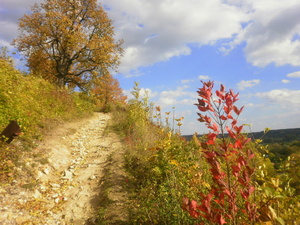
[(250, 46)]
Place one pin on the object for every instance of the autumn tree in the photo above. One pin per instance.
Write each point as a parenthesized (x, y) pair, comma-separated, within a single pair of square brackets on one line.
[(66, 41), (107, 92)]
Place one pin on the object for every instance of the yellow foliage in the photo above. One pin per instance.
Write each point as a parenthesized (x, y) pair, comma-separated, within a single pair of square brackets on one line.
[(65, 41)]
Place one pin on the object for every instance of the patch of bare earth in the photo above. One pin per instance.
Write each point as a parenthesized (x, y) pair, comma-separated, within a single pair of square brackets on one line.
[(78, 178)]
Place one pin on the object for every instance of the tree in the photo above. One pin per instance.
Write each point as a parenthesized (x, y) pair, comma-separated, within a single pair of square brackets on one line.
[(66, 41), (107, 92)]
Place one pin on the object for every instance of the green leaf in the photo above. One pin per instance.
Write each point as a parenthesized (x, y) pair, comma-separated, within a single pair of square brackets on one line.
[(273, 213), (280, 220)]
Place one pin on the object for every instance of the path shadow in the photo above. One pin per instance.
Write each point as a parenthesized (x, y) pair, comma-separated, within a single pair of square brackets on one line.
[(111, 201)]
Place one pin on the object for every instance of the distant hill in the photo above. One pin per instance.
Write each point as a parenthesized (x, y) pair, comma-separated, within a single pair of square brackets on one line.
[(273, 136)]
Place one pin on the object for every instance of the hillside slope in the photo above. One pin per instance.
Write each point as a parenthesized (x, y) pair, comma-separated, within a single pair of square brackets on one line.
[(272, 136)]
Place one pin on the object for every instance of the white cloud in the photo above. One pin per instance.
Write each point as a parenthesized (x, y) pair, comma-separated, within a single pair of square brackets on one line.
[(281, 96), (253, 105), (294, 75), (147, 92), (204, 77), (11, 11), (144, 92), (245, 84), (272, 37), (166, 101), (158, 30), (187, 81), (285, 81), (177, 97), (162, 29)]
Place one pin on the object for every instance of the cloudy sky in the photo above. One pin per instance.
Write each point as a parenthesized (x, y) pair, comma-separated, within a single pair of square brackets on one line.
[(250, 46)]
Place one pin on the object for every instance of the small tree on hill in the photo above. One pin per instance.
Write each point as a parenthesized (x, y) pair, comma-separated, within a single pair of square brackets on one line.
[(107, 92), (65, 41)]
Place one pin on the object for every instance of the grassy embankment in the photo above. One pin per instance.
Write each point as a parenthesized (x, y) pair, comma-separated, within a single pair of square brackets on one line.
[(37, 106)]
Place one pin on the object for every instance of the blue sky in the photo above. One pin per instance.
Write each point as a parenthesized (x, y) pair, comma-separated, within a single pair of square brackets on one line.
[(249, 46)]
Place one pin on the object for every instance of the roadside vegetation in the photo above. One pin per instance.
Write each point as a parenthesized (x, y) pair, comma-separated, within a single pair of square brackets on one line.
[(215, 179)]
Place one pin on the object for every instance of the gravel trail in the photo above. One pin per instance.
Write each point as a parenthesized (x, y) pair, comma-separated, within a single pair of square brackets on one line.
[(83, 173)]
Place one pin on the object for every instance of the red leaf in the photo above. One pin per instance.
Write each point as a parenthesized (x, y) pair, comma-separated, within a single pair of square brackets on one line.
[(234, 122), (209, 154), (207, 119), (193, 204), (234, 151), (220, 219), (210, 108), (247, 141), (194, 214), (191, 207), (251, 190), (224, 146), (227, 110), (230, 133), (236, 169), (244, 195), (201, 102), (237, 111), (251, 155), (223, 117), (214, 127), (185, 204), (241, 160), (238, 144), (241, 109), (201, 120), (212, 136), (238, 129), (242, 181), (202, 109), (222, 89), (227, 192), (228, 101), (210, 142), (220, 94), (233, 95)]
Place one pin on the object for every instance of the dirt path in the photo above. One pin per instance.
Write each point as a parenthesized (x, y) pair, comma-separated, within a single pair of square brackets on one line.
[(78, 174)]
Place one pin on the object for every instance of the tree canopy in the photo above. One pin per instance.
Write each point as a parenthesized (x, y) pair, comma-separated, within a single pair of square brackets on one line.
[(107, 92), (67, 41)]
